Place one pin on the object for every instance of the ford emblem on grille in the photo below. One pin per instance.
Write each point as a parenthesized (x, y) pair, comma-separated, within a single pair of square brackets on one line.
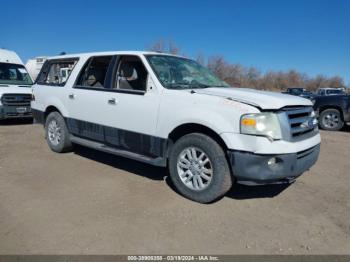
[(20, 99), (307, 124)]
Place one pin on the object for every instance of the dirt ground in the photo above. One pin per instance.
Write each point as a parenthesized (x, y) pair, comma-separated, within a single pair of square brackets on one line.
[(88, 202)]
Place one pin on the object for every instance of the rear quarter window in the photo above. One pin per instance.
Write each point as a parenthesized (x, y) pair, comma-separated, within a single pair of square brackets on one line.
[(56, 72)]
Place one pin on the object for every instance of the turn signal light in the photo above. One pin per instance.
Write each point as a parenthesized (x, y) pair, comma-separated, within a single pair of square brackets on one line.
[(249, 122)]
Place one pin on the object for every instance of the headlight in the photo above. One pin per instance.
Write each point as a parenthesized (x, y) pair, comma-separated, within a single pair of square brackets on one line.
[(261, 124)]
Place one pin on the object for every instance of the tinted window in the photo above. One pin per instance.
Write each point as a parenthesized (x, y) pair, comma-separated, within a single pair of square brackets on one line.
[(56, 72), (131, 74), (94, 72), (335, 92)]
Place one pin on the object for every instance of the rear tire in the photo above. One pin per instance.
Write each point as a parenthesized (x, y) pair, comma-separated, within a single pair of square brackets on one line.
[(57, 134), (331, 119), (199, 169)]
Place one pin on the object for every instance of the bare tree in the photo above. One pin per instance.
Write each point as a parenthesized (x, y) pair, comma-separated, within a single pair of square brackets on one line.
[(335, 81), (162, 47), (158, 46), (201, 59), (173, 48), (240, 76), (218, 66)]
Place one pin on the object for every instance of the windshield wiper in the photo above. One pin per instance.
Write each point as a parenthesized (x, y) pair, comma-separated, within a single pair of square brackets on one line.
[(178, 86), (200, 86)]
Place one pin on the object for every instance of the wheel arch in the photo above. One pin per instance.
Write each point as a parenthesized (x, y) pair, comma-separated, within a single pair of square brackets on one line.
[(49, 110), (325, 107), (189, 128)]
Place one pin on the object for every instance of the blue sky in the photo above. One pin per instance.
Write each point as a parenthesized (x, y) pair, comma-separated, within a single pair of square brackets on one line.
[(310, 36)]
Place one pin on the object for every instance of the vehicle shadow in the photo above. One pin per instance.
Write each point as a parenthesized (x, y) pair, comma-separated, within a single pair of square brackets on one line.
[(129, 165), (238, 192), (16, 121), (346, 128), (241, 192)]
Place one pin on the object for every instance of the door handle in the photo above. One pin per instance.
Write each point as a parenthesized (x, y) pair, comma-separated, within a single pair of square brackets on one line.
[(112, 101), (71, 96)]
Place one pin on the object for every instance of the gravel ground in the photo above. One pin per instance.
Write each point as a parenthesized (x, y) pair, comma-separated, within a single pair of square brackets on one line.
[(88, 202)]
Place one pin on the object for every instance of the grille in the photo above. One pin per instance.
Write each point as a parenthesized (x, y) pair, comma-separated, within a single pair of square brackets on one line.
[(301, 121), (16, 99)]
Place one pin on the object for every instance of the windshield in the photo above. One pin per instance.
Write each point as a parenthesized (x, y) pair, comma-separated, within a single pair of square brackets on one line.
[(13, 74), (181, 73)]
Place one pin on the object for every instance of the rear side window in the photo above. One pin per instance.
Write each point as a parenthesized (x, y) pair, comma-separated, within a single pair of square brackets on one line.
[(93, 74), (56, 72)]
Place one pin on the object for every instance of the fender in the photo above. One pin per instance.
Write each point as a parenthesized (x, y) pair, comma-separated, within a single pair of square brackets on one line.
[(55, 102)]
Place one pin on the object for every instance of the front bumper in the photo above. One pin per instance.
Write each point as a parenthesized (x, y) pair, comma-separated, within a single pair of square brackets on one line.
[(15, 112), (253, 169)]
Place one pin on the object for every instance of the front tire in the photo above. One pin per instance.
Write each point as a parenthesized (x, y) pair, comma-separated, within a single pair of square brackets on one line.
[(199, 169), (331, 119), (57, 134)]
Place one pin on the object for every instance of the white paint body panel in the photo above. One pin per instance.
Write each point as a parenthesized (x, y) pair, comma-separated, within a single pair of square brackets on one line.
[(261, 145), (8, 56), (161, 110), (14, 89), (262, 99)]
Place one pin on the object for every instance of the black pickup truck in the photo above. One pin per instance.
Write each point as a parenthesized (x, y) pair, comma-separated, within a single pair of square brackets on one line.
[(298, 91), (333, 111)]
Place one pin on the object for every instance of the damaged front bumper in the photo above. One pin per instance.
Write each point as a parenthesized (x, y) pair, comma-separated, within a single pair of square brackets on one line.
[(259, 169)]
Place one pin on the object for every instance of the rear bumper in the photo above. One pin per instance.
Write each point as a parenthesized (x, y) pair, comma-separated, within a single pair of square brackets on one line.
[(253, 169), (7, 112)]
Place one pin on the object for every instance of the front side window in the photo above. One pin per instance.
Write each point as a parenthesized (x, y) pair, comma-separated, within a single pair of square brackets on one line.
[(131, 74), (14, 74), (56, 72), (94, 73), (181, 73)]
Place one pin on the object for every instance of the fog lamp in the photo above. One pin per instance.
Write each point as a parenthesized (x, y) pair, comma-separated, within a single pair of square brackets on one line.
[(272, 161)]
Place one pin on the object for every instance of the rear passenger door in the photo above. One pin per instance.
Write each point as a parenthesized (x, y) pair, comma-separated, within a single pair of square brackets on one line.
[(115, 102), (87, 99)]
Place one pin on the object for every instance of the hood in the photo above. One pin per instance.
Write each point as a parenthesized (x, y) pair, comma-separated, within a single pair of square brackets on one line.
[(261, 99), (13, 89)]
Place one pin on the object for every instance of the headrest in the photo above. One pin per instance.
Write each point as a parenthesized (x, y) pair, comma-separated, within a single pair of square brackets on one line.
[(91, 80), (126, 70)]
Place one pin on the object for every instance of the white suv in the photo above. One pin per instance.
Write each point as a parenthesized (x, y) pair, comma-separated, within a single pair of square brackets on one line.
[(170, 111)]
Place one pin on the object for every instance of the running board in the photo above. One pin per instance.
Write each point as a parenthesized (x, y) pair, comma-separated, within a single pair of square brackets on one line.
[(159, 161)]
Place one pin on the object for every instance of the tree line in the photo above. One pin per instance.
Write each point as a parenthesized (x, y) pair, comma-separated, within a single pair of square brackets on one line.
[(242, 76)]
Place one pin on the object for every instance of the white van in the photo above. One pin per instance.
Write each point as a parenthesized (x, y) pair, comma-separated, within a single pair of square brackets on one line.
[(34, 66), (15, 87), (170, 111)]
